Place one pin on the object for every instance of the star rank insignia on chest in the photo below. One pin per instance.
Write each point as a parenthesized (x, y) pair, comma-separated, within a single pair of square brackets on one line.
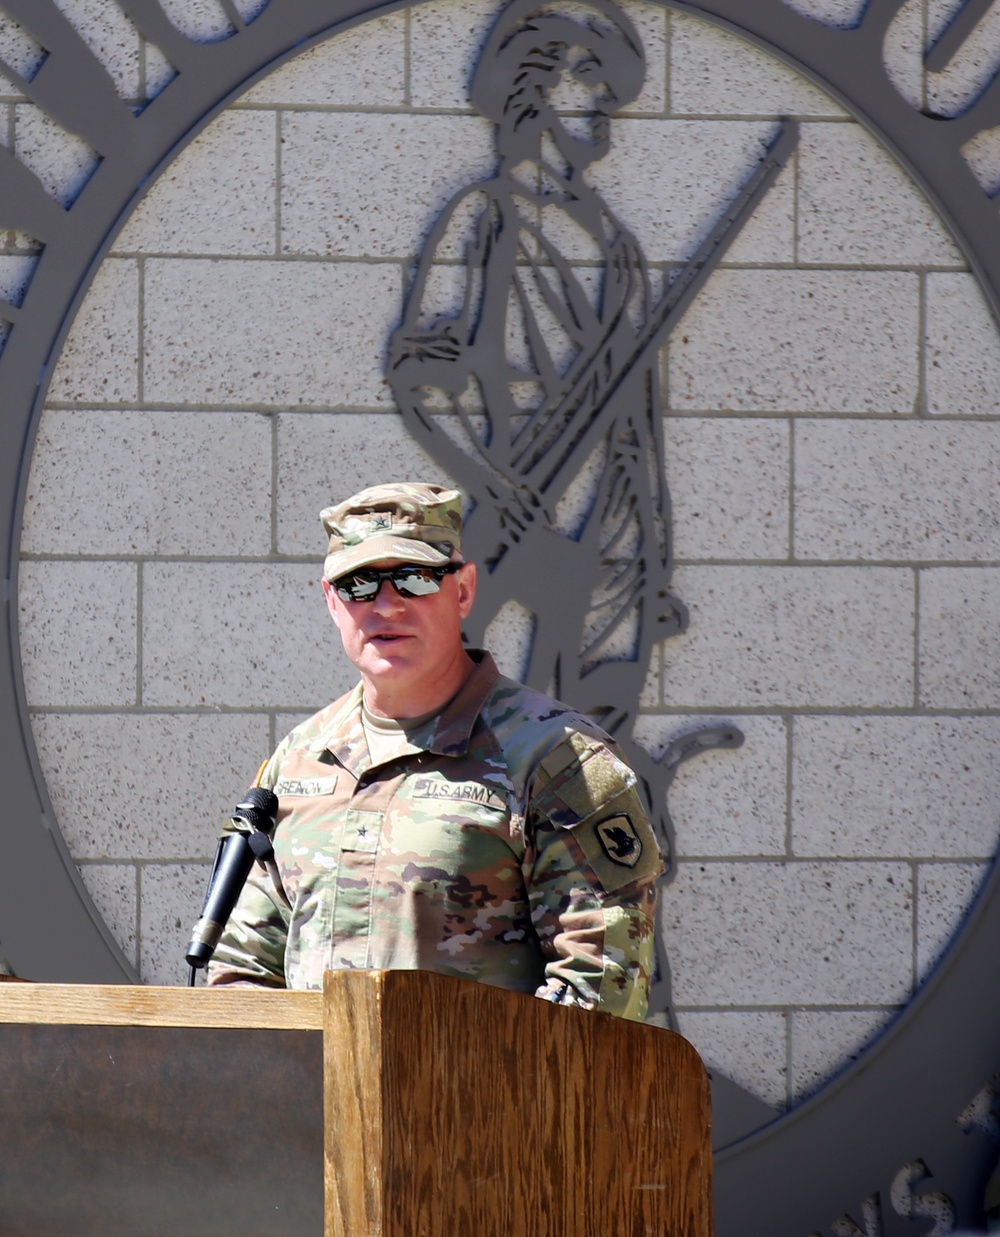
[(620, 841)]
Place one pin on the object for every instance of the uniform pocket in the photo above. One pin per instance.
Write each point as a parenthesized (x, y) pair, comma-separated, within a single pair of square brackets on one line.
[(361, 831)]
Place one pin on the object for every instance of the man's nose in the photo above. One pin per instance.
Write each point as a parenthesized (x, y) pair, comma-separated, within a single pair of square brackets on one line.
[(387, 600)]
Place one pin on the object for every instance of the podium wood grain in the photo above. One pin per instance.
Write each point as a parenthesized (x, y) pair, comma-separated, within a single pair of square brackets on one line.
[(117, 1005), (455, 1108)]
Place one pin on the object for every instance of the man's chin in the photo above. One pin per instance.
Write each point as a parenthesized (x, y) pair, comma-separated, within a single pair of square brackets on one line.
[(385, 656)]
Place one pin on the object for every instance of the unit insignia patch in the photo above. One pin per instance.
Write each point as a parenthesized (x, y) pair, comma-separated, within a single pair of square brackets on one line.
[(620, 841)]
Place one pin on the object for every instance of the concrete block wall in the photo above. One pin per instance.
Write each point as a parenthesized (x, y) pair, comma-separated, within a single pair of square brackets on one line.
[(832, 427)]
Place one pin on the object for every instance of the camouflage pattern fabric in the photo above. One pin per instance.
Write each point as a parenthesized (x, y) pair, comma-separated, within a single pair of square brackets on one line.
[(406, 520), (503, 842)]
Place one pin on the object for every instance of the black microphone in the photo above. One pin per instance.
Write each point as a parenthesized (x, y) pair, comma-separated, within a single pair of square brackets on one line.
[(234, 857)]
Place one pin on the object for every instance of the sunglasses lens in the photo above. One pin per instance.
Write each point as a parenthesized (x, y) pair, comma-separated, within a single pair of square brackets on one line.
[(416, 581), (361, 586), (407, 581)]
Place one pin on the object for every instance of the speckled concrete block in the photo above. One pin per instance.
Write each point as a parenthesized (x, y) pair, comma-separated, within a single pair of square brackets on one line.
[(903, 52), (712, 71), (950, 93), (959, 638), (915, 786), (773, 934), (18, 49), (765, 636), (268, 333), (962, 348), (147, 786), (325, 458), (445, 41), (203, 21), (77, 624), (651, 696), (668, 180), (169, 483), (750, 1048), (363, 67), (726, 802), (651, 23), (100, 360), (158, 70), (218, 196), (838, 14), (823, 1040), (237, 634), (62, 161), (371, 185), (889, 490), (16, 271), (729, 483), (170, 899), (111, 36), (776, 341), (508, 637), (856, 204), (769, 234), (285, 723), (982, 154), (945, 892)]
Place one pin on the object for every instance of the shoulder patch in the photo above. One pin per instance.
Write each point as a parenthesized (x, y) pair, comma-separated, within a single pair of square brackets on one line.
[(572, 749), (584, 775), (619, 844), (620, 840), (587, 790)]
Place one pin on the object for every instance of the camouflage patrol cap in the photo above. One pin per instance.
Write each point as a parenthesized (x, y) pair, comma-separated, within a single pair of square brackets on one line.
[(407, 521)]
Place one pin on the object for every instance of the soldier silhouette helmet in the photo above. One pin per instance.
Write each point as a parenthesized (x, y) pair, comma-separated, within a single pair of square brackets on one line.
[(528, 48)]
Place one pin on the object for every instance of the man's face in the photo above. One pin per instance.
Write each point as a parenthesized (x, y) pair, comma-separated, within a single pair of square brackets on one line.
[(582, 88), (404, 647)]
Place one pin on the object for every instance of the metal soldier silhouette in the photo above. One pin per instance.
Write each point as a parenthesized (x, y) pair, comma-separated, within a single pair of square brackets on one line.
[(531, 375)]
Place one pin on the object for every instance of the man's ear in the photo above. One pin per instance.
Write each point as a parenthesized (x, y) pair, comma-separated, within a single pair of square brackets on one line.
[(331, 602), (466, 580)]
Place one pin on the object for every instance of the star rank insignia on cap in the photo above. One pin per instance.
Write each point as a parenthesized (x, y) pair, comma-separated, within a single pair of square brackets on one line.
[(381, 521), (620, 841)]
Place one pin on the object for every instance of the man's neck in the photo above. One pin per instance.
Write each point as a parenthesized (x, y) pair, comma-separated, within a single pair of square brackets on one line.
[(402, 702)]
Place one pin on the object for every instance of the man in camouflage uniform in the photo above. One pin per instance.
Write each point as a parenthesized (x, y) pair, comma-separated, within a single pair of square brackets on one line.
[(440, 816)]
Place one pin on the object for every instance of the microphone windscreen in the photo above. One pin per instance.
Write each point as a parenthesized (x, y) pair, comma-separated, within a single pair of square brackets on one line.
[(258, 808)]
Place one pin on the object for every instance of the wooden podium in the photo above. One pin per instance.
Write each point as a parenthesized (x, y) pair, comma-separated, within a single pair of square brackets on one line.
[(394, 1104)]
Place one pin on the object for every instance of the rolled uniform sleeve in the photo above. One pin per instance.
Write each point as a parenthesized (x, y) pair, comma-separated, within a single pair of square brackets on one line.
[(590, 868), (251, 949)]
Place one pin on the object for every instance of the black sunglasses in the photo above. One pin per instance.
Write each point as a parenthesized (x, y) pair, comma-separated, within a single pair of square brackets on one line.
[(364, 585)]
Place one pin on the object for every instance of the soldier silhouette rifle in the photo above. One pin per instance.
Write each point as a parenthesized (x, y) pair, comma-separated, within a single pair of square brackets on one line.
[(568, 417)]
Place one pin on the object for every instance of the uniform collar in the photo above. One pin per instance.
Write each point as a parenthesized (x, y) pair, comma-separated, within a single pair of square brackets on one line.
[(446, 735), (456, 721)]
